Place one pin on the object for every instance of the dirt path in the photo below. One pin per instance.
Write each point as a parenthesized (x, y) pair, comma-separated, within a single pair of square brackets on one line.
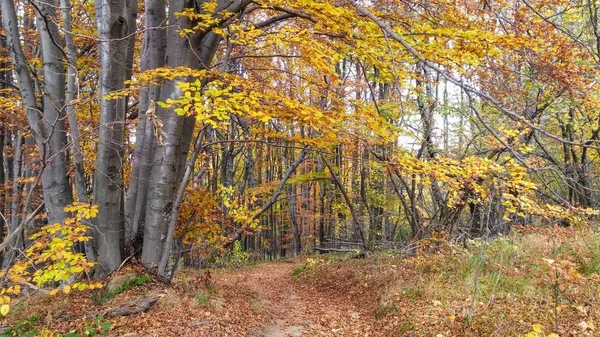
[(284, 305), (265, 300)]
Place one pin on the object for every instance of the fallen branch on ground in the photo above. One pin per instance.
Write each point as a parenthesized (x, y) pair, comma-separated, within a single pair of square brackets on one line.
[(139, 306), (136, 307), (337, 250)]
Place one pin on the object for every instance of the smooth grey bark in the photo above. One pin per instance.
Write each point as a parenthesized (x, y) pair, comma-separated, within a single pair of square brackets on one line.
[(364, 183), (196, 51), (153, 56), (31, 169), (16, 175), (24, 80), (165, 157), (249, 180), (71, 96), (427, 103), (131, 16), (57, 190), (113, 24), (323, 188), (15, 245), (9, 143), (80, 183), (228, 155), (48, 131), (189, 168)]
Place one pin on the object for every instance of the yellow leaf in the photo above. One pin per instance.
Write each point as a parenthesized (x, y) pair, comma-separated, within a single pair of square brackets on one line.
[(4, 309), (550, 262), (67, 289)]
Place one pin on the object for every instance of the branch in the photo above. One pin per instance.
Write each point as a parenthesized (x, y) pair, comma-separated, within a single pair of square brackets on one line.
[(275, 195), (285, 178), (14, 234), (337, 182), (388, 30), (288, 15)]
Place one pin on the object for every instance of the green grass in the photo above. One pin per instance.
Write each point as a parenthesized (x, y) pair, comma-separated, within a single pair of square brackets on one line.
[(101, 298), (203, 298), (28, 327)]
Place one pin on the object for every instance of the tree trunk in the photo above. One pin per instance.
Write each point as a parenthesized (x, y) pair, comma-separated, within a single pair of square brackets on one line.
[(153, 56), (165, 162), (15, 245), (49, 132), (291, 191), (113, 26), (80, 181), (168, 161), (57, 190)]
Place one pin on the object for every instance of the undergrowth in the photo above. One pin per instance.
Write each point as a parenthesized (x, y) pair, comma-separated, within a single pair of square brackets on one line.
[(28, 327), (547, 278), (534, 282), (310, 264), (235, 258), (102, 297)]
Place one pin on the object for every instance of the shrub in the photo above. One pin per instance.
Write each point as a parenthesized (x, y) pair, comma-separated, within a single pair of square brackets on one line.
[(50, 260)]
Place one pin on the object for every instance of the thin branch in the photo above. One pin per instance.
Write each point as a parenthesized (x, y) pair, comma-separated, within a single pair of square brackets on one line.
[(460, 83)]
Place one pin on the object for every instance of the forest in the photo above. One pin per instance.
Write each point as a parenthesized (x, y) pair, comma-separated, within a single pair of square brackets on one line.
[(299, 168)]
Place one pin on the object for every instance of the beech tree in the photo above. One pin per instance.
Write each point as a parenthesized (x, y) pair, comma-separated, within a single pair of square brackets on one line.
[(116, 22)]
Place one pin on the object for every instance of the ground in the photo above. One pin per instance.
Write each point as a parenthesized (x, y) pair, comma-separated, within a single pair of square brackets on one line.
[(519, 291), (282, 305), (260, 300)]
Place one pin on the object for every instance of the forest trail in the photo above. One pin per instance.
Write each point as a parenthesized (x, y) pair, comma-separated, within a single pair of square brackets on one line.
[(287, 306), (382, 295), (270, 299)]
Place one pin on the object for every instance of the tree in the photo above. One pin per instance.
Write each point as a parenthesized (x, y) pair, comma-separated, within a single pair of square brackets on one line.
[(116, 23)]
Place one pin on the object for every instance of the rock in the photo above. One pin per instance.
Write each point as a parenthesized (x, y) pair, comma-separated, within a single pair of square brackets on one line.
[(119, 281), (269, 331), (279, 329), (294, 331)]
